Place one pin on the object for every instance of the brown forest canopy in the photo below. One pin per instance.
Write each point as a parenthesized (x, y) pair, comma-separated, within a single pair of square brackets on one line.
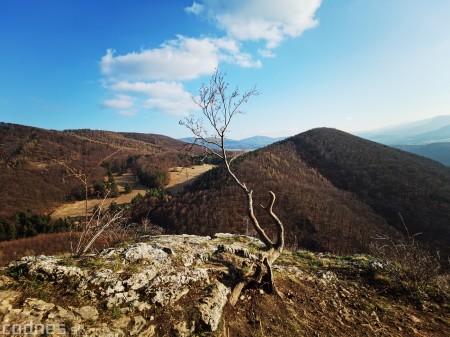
[(335, 192), (31, 179)]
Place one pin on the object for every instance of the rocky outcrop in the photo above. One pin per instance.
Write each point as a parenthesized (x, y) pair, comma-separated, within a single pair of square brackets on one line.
[(122, 290), (180, 286)]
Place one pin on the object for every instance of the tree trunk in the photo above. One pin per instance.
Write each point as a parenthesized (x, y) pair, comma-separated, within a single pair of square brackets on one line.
[(262, 276)]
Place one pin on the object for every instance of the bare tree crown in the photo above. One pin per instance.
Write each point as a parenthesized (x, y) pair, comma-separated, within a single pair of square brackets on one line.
[(219, 107)]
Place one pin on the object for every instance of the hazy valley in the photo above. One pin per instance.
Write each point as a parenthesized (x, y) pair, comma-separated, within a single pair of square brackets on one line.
[(429, 137)]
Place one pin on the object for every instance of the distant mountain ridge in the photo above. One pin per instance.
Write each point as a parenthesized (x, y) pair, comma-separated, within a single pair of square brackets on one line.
[(436, 151), (432, 130), (429, 138), (248, 144)]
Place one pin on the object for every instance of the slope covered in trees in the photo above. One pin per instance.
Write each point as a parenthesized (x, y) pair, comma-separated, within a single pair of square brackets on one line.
[(391, 181), (32, 179), (335, 192), (316, 214), (436, 151)]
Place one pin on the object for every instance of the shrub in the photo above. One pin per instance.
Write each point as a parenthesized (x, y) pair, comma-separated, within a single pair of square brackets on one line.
[(128, 188), (138, 197), (156, 179), (155, 193), (406, 262)]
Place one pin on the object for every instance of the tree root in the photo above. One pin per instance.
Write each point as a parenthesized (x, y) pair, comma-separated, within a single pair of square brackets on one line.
[(261, 278)]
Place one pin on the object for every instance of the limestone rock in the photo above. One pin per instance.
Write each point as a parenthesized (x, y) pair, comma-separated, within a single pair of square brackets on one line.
[(234, 249), (140, 280), (125, 286), (149, 332), (144, 251), (88, 313), (139, 323), (212, 306), (122, 322), (7, 297), (47, 267), (169, 296), (181, 329)]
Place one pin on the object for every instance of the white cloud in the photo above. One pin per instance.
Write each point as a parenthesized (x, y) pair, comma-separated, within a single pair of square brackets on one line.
[(120, 102), (179, 106), (196, 8), (181, 59), (270, 21), (128, 112), (168, 97), (164, 89), (151, 78), (267, 53)]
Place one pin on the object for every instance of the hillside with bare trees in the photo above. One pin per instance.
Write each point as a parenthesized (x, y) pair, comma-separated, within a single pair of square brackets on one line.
[(336, 192), (34, 163)]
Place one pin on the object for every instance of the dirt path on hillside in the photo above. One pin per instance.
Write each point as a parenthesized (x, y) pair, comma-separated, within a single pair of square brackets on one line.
[(178, 178)]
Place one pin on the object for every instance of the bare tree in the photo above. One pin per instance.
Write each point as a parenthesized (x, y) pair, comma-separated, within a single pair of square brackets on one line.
[(219, 106), (83, 177), (103, 221)]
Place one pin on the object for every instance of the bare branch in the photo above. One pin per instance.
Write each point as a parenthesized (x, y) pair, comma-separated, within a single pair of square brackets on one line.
[(280, 228), (236, 156)]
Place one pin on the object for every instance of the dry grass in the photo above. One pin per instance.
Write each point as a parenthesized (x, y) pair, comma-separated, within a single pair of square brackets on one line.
[(182, 176), (178, 178), (77, 208), (50, 244), (54, 243)]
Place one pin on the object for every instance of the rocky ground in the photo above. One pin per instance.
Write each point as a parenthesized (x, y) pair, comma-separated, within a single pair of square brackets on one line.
[(179, 286)]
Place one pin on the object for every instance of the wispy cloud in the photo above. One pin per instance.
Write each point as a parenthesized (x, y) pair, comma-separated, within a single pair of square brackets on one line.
[(166, 89), (266, 53), (124, 104), (128, 112), (120, 102), (196, 8)]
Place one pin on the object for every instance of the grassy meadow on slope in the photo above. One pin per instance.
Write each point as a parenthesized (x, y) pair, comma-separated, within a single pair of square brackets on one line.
[(38, 168)]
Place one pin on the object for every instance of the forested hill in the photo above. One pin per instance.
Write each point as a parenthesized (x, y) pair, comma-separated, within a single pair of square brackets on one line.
[(436, 151), (335, 192), (391, 181), (317, 215), (30, 178)]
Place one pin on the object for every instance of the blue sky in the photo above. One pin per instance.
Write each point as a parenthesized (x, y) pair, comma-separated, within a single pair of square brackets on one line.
[(133, 65)]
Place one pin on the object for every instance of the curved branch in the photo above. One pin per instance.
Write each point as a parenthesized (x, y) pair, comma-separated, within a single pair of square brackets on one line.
[(262, 234), (280, 228)]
